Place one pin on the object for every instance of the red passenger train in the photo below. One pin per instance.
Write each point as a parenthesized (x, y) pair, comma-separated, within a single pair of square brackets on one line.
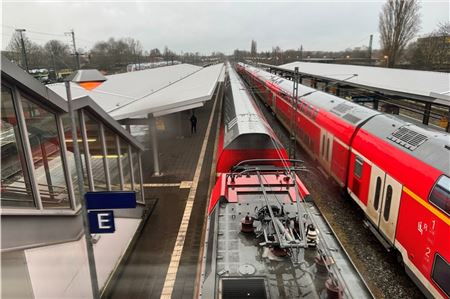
[(397, 172), (264, 238)]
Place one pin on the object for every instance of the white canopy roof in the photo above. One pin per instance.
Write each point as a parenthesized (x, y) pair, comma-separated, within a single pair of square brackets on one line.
[(135, 94), (184, 94), (419, 83)]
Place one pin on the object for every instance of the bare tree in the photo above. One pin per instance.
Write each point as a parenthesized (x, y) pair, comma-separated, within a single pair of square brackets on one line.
[(253, 49), (277, 55), (35, 53), (399, 22), (58, 54), (154, 54), (431, 52)]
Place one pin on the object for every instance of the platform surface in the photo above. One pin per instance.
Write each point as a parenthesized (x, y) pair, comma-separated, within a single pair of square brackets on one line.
[(144, 273)]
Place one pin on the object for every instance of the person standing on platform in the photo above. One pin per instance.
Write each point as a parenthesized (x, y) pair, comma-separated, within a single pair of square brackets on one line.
[(193, 124)]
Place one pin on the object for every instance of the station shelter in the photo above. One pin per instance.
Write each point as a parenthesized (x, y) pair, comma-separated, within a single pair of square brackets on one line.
[(43, 247), (43, 250)]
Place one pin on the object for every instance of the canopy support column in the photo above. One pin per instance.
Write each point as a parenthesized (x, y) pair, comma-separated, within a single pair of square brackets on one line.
[(154, 138), (448, 121), (375, 104), (181, 128), (426, 114)]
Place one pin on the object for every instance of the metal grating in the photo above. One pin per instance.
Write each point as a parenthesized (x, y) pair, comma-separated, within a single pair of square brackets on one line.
[(341, 108), (408, 138), (351, 118)]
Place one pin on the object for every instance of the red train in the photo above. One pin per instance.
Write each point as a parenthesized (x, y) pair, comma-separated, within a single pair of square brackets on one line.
[(264, 239), (397, 172)]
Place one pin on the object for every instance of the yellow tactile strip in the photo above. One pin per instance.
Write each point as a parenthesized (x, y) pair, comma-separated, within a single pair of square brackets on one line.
[(181, 237)]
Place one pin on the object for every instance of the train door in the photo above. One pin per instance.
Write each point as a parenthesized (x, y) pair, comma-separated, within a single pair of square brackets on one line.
[(392, 192), (326, 148), (377, 178), (384, 202)]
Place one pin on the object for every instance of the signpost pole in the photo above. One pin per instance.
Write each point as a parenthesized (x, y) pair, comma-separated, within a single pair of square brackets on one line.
[(80, 181)]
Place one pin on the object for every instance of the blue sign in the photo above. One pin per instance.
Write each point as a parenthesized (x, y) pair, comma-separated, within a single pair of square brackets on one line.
[(101, 222), (110, 200)]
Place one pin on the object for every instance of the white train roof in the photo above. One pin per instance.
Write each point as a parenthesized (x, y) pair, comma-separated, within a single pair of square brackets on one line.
[(429, 146), (349, 111), (241, 117), (425, 144)]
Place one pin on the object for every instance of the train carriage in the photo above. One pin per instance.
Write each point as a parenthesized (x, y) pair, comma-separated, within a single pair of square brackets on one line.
[(397, 172)]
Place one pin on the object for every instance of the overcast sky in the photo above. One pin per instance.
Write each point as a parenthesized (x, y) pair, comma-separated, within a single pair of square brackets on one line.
[(206, 26)]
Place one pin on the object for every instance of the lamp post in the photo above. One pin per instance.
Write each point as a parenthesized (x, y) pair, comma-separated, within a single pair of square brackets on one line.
[(88, 79), (386, 58)]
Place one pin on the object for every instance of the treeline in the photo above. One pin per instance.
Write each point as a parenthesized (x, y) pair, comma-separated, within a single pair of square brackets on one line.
[(428, 52), (279, 56), (110, 56)]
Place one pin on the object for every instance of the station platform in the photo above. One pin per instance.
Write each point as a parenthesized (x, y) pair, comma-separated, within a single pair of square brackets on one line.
[(163, 261)]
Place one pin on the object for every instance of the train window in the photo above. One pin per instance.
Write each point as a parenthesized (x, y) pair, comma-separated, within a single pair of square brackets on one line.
[(387, 203), (315, 113), (310, 111), (359, 162), (440, 195), (328, 149), (441, 274), (323, 145), (376, 200), (303, 107)]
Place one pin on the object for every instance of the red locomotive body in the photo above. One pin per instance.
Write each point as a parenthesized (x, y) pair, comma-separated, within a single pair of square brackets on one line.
[(398, 173)]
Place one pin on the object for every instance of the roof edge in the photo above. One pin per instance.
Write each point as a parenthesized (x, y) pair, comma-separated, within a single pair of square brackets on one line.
[(89, 103)]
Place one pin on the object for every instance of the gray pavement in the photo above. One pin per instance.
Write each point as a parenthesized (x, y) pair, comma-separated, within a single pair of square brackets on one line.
[(144, 271)]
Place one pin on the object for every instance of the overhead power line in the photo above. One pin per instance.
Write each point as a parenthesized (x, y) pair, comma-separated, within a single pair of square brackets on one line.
[(35, 32)]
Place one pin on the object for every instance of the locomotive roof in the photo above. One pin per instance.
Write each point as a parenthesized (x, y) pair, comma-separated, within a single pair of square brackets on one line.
[(429, 146), (243, 262), (348, 111), (241, 117)]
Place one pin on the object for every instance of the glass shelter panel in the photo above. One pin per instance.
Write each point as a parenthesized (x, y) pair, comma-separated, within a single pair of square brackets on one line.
[(15, 185), (46, 154), (95, 152), (126, 165), (137, 174), (112, 158), (71, 156)]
